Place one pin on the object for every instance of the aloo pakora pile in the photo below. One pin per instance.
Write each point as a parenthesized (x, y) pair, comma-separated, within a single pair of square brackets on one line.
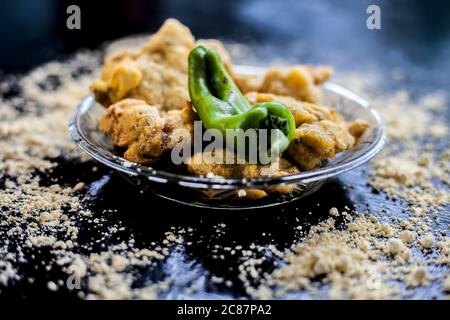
[(156, 92)]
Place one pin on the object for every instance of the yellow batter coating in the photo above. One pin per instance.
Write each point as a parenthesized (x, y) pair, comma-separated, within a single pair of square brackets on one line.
[(300, 82), (303, 112), (316, 141), (140, 128), (156, 73), (357, 128), (203, 164)]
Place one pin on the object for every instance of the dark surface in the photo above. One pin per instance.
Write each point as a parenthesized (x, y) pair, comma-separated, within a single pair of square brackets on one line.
[(415, 36), (413, 32)]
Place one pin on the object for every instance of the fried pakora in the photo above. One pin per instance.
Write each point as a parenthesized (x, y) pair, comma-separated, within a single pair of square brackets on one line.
[(143, 131), (149, 111), (300, 82), (156, 73)]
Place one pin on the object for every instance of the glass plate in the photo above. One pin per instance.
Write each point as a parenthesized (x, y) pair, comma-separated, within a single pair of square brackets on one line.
[(221, 193)]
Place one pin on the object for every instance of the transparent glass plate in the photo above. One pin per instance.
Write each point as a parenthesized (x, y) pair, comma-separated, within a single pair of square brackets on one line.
[(188, 189)]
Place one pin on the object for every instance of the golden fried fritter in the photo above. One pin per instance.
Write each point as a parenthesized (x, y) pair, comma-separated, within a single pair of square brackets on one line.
[(327, 135), (316, 141), (303, 112), (139, 127), (320, 74), (357, 128), (300, 82), (204, 164), (156, 73), (179, 125)]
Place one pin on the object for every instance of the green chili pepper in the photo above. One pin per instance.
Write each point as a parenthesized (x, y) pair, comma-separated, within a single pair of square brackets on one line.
[(221, 105)]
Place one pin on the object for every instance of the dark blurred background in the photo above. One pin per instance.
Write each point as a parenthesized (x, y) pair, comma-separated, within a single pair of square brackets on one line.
[(412, 32)]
